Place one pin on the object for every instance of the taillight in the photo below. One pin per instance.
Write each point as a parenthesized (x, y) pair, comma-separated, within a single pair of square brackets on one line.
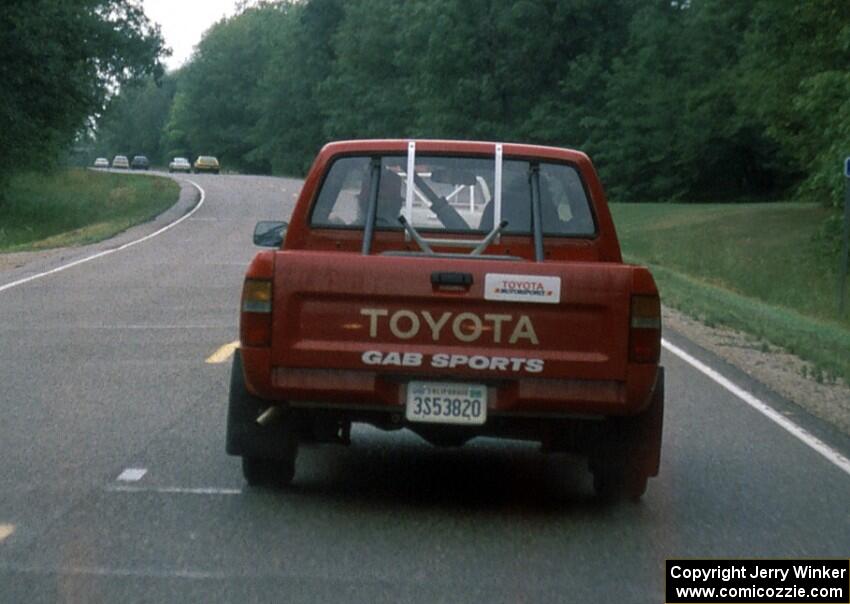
[(257, 296), (645, 329), (256, 317)]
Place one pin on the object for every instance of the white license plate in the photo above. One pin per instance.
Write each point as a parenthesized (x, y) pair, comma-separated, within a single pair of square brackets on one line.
[(446, 403)]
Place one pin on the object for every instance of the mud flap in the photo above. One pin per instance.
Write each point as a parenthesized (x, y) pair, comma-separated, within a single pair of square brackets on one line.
[(245, 436), (628, 452), (649, 429)]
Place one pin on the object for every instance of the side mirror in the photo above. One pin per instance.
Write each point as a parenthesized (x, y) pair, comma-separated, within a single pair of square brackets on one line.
[(269, 233)]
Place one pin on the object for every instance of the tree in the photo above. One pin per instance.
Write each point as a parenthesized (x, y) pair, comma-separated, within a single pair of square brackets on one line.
[(59, 62), (296, 110), (669, 125), (216, 105), (686, 99), (175, 140), (795, 81), (134, 121), (363, 91)]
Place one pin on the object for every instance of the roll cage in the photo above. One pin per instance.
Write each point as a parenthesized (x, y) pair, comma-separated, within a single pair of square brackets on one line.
[(447, 214)]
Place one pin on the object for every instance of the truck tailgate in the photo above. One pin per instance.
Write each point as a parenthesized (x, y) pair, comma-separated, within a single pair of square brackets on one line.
[(385, 314)]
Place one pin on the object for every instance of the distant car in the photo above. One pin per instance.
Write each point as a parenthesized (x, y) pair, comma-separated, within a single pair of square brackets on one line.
[(140, 162), (206, 163), (120, 161), (180, 164), (101, 162)]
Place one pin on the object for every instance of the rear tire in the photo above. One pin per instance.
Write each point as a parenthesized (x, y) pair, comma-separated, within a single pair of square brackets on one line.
[(268, 451), (268, 472), (629, 451), (612, 483)]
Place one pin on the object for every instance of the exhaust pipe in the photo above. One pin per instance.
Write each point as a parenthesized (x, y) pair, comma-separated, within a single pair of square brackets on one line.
[(268, 416)]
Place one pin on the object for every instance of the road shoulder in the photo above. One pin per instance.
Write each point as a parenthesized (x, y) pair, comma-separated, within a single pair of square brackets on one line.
[(20, 265), (769, 373)]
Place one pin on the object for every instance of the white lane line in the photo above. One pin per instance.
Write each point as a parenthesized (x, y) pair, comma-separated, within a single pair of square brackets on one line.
[(783, 422), (132, 474), (113, 250), (117, 327), (98, 571), (223, 353), (146, 327), (6, 530), (120, 488)]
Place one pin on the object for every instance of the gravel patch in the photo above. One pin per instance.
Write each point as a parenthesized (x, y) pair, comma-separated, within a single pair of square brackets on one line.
[(15, 260), (780, 371)]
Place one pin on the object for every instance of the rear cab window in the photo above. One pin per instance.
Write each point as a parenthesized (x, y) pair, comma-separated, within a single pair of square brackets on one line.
[(466, 184)]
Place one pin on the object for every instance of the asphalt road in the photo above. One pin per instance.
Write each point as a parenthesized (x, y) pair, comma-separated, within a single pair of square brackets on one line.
[(103, 368)]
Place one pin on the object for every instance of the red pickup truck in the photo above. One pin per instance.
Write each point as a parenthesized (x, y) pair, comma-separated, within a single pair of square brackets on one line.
[(457, 289)]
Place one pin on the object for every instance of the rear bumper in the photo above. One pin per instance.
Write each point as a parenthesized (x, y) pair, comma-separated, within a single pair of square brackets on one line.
[(371, 391)]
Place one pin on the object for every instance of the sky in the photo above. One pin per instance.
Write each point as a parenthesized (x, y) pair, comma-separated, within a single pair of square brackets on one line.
[(184, 21)]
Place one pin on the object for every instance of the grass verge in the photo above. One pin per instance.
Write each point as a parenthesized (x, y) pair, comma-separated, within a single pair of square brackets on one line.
[(76, 206), (761, 268)]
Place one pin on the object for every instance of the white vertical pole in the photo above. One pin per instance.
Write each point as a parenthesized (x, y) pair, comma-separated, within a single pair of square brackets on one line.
[(408, 198), (497, 200)]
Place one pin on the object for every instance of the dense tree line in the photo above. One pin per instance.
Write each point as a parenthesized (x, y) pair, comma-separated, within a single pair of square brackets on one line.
[(59, 63), (695, 99)]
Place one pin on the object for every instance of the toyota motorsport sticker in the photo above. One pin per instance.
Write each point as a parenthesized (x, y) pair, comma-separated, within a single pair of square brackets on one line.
[(522, 288)]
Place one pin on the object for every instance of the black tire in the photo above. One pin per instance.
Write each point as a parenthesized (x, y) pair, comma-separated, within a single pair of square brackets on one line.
[(268, 472), (614, 482), (243, 409), (268, 452), (629, 452)]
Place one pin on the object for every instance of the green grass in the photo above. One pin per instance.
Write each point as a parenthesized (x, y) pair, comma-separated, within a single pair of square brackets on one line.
[(760, 268), (73, 207)]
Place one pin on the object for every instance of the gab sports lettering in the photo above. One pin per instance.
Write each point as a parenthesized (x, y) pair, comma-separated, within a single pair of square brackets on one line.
[(465, 327), (451, 361)]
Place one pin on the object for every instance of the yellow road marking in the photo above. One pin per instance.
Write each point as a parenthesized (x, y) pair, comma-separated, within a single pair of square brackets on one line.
[(223, 353), (6, 530)]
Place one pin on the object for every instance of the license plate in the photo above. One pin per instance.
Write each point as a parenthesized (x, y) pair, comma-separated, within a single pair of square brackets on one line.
[(446, 403)]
